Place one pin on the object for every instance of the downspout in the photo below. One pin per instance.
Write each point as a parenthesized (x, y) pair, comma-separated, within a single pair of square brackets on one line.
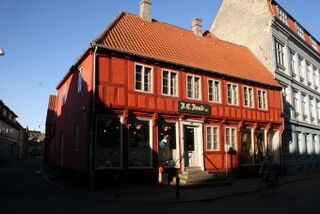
[(92, 125), (281, 135)]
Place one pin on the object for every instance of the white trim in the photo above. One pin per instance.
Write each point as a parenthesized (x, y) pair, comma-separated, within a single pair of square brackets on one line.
[(233, 104), (169, 83), (199, 125), (252, 96), (218, 137), (142, 78), (264, 99), (214, 80), (193, 88), (236, 137)]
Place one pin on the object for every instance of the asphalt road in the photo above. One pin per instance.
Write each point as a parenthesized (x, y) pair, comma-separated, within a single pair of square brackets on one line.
[(23, 190)]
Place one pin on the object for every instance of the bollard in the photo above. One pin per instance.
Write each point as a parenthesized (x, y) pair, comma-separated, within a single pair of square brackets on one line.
[(177, 187), (116, 186)]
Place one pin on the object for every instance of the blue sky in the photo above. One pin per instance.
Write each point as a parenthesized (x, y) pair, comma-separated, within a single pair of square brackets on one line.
[(43, 38)]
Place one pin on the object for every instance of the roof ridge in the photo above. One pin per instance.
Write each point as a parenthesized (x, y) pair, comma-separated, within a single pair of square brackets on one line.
[(108, 28)]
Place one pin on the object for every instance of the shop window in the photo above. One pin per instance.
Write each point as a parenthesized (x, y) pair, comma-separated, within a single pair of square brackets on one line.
[(246, 146), (261, 145), (140, 151), (167, 148), (108, 149)]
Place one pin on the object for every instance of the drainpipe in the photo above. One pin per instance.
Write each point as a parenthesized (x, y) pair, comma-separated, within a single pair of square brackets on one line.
[(92, 125)]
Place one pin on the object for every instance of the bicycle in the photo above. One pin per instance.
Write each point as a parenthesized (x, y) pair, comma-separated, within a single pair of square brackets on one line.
[(268, 185)]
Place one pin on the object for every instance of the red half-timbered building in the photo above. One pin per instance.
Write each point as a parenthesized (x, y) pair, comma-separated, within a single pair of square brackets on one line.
[(146, 93)]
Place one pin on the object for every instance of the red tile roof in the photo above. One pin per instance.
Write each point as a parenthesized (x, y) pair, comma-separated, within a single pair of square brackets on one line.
[(161, 41), (292, 23)]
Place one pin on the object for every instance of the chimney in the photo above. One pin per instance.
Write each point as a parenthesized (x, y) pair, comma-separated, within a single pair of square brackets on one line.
[(145, 10), (197, 26)]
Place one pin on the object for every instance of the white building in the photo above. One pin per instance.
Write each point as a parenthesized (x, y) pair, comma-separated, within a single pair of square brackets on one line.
[(292, 54)]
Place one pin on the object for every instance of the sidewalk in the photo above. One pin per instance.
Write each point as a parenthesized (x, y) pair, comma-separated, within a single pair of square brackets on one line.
[(167, 194)]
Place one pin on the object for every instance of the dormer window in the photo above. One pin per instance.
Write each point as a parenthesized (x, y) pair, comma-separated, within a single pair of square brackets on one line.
[(314, 44), (300, 32), (283, 16)]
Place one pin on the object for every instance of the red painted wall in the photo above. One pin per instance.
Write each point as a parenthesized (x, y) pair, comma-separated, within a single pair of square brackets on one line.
[(75, 110)]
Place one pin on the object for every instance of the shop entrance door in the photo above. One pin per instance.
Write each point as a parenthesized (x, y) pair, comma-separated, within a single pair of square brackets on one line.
[(191, 146)]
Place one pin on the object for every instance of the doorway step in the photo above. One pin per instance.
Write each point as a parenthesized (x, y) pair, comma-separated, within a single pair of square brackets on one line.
[(194, 176)]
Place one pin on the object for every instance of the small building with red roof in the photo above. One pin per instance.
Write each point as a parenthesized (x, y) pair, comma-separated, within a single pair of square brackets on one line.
[(146, 94)]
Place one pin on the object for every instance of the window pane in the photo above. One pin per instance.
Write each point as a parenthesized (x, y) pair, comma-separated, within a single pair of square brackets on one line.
[(138, 84), (210, 88), (165, 82), (209, 138), (167, 153), (147, 79), (108, 150), (215, 138), (217, 91), (190, 86), (139, 143), (197, 87), (229, 94), (173, 84)]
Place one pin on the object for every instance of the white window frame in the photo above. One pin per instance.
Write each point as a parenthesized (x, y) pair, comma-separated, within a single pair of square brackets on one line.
[(170, 93), (193, 87), (292, 63), (304, 108), (229, 135), (264, 99), (314, 44), (143, 78), (318, 110), (315, 77), (300, 68), (283, 16), (234, 94), (300, 31), (295, 103), (213, 143), (79, 85), (309, 73), (280, 55), (249, 95), (312, 110), (214, 89)]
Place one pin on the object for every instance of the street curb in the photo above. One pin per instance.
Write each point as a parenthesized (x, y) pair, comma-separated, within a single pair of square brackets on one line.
[(119, 200)]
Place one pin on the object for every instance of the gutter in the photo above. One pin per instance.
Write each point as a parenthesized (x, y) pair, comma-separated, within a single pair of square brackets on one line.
[(92, 125)]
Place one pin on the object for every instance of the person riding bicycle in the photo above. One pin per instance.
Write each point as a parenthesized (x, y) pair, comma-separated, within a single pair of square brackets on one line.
[(269, 169)]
